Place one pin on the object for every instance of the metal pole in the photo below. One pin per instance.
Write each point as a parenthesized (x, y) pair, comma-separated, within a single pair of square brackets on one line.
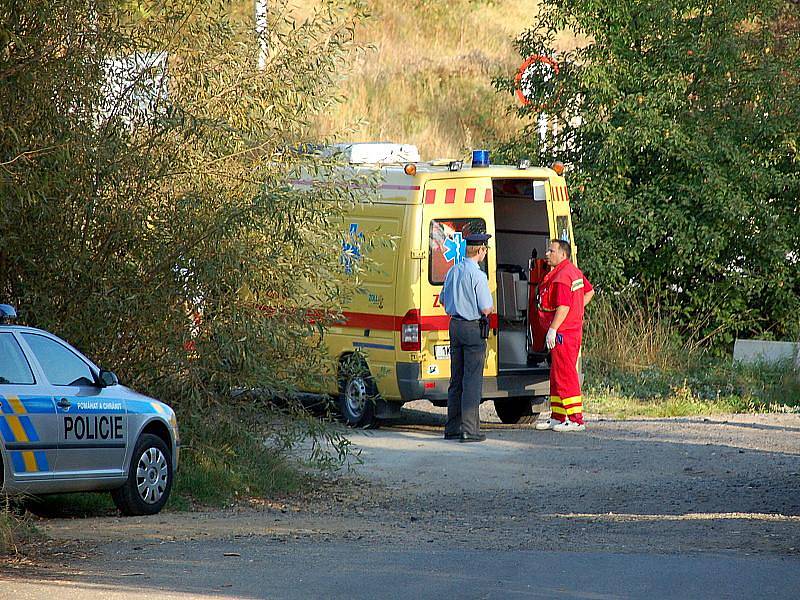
[(261, 32)]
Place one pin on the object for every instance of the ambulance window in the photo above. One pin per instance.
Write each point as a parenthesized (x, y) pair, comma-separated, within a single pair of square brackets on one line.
[(562, 228), (447, 245)]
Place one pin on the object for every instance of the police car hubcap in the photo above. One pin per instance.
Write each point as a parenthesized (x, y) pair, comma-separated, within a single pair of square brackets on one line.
[(354, 396), (151, 475)]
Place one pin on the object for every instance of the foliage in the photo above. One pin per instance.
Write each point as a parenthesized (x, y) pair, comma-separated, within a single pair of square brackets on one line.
[(158, 231), (707, 378), (227, 459), (637, 363), (678, 120), (709, 386)]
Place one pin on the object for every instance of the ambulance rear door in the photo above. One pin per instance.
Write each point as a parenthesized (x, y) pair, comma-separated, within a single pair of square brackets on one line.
[(452, 209), (558, 205)]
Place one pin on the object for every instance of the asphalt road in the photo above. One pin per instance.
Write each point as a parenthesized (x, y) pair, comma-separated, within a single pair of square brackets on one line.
[(675, 508), (259, 569)]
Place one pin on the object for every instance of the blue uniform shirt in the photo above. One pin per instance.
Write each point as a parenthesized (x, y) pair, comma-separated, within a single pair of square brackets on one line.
[(466, 291)]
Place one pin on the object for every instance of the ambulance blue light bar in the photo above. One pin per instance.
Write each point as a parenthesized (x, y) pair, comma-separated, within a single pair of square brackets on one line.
[(480, 158)]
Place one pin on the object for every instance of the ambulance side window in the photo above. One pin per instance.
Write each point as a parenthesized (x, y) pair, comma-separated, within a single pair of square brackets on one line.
[(60, 365), (562, 228), (447, 245)]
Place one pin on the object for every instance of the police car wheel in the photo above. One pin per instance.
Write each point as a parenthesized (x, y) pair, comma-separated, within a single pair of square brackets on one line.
[(149, 478), (357, 397), (513, 411)]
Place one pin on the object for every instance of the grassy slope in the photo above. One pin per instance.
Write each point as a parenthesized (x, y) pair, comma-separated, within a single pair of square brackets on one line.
[(427, 78)]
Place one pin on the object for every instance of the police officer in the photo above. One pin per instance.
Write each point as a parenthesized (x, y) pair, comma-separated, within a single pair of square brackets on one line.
[(466, 298), (563, 294)]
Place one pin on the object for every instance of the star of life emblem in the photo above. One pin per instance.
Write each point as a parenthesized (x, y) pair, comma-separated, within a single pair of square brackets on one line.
[(351, 248), (455, 248)]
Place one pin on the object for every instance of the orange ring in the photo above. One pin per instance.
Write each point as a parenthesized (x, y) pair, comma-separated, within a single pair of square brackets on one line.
[(530, 60)]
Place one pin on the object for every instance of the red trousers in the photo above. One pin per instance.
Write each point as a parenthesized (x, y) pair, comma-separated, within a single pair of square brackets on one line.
[(565, 386)]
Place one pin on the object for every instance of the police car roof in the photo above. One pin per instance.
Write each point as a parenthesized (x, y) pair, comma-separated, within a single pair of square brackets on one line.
[(16, 327)]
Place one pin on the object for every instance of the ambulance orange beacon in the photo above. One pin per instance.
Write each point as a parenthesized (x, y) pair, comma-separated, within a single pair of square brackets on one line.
[(393, 346)]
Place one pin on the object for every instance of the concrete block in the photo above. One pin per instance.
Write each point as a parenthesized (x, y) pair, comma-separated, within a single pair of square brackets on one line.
[(760, 351)]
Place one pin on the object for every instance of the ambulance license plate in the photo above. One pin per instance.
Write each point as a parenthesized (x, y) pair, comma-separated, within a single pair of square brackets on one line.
[(441, 352)]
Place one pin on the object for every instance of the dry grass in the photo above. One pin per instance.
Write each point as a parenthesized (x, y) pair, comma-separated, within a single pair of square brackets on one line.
[(627, 336), (427, 77), (15, 529), (638, 364)]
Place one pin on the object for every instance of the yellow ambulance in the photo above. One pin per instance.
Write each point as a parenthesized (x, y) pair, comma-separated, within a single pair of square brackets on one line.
[(393, 346)]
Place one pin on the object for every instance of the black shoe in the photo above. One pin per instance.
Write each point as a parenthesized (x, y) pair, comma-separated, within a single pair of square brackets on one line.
[(468, 437), (452, 436)]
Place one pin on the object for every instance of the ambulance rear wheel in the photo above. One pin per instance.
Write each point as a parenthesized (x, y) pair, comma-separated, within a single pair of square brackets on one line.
[(357, 394), (513, 411)]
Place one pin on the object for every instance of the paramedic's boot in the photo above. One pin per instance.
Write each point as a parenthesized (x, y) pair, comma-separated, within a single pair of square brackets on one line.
[(569, 426), (546, 425)]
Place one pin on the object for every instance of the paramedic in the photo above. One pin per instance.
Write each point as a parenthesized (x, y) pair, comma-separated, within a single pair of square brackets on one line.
[(563, 294), (466, 298)]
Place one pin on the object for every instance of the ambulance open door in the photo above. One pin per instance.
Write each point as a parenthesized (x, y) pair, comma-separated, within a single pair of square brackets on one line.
[(453, 208)]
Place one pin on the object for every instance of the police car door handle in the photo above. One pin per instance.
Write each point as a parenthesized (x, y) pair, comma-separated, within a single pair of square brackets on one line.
[(64, 403)]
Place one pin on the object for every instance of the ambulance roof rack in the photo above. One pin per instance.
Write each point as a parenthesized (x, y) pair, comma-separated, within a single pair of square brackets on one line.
[(374, 153)]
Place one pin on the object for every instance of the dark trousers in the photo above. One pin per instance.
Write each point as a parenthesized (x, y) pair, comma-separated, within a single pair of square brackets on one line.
[(467, 356)]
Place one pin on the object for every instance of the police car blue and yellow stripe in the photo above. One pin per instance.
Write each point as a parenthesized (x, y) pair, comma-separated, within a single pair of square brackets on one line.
[(16, 427)]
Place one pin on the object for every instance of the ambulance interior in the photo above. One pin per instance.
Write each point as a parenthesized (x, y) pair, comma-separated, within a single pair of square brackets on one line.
[(522, 237)]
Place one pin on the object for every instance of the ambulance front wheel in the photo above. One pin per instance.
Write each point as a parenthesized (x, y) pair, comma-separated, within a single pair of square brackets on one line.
[(513, 411), (357, 394)]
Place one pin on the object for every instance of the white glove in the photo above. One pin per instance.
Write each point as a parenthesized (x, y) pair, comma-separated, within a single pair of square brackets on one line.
[(550, 340)]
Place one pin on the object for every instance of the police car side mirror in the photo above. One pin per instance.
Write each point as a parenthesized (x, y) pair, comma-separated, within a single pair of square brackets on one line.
[(108, 378)]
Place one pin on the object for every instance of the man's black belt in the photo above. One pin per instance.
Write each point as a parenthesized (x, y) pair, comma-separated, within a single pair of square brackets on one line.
[(457, 318)]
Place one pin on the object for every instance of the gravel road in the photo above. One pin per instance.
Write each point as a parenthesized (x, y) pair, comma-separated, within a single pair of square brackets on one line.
[(725, 488)]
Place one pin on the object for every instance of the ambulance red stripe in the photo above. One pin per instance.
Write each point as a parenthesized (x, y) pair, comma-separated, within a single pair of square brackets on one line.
[(430, 196), (450, 196), (392, 186), (393, 322), (470, 197), (357, 186)]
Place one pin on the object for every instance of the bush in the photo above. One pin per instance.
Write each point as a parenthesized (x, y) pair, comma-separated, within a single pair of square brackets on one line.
[(678, 125), (636, 364), (168, 243)]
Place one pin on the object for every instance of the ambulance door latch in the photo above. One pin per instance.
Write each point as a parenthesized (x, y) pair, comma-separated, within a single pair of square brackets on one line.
[(418, 254)]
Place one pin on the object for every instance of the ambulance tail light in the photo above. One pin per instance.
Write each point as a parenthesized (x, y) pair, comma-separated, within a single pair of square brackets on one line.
[(411, 332)]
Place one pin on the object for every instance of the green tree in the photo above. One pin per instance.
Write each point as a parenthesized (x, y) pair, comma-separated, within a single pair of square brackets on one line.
[(678, 120), (150, 220)]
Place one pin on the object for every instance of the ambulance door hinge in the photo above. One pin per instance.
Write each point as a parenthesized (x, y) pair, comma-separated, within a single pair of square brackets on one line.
[(418, 254)]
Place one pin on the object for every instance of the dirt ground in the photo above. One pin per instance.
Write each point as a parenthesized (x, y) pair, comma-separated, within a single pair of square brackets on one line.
[(727, 484)]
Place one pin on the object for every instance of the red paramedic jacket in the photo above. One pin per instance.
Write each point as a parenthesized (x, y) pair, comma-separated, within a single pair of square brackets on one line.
[(564, 285)]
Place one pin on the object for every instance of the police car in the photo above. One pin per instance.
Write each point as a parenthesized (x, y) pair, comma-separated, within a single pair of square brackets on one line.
[(67, 425)]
